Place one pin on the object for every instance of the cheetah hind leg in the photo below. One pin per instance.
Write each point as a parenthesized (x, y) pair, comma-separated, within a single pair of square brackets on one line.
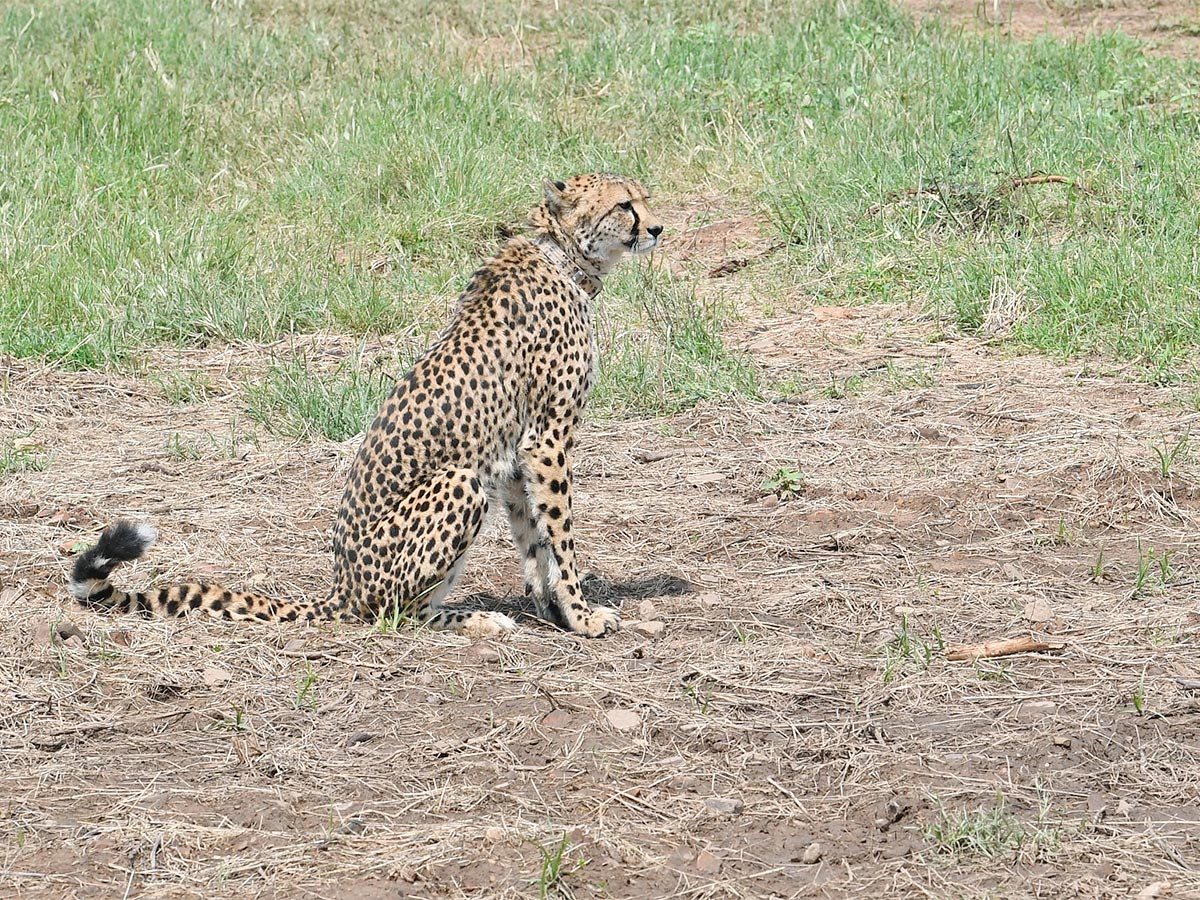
[(432, 530)]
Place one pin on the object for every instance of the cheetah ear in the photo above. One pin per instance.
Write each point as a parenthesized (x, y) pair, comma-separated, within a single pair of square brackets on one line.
[(554, 192)]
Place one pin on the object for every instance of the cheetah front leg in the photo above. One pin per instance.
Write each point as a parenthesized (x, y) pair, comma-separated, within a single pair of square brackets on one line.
[(551, 558), (532, 548)]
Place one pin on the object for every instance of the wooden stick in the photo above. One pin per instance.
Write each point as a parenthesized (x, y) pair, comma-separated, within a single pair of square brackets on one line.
[(1006, 647)]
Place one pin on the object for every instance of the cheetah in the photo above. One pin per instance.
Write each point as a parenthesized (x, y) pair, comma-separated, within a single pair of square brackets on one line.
[(486, 416)]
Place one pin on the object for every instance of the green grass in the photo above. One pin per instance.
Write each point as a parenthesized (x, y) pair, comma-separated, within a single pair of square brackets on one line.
[(22, 454), (661, 348), (299, 401), (183, 174), (992, 832)]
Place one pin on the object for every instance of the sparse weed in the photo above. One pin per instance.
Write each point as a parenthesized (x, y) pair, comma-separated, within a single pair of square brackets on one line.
[(786, 483), (991, 833), (698, 693), (1152, 572), (744, 635), (1099, 571), (551, 874), (304, 693), (913, 377), (1061, 537), (22, 454), (185, 388), (1168, 453), (180, 450), (850, 386), (908, 648)]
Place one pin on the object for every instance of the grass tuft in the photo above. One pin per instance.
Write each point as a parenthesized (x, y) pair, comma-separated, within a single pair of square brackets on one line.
[(298, 401), (661, 349)]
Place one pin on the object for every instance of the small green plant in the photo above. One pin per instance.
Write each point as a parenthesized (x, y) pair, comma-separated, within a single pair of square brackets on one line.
[(1167, 453), (915, 377), (307, 683), (1153, 571), (236, 720), (850, 386), (990, 833), (1000, 672), (698, 694), (22, 454), (787, 483), (180, 450), (743, 635), (185, 388), (1098, 567), (550, 877), (391, 619), (908, 648), (1061, 537)]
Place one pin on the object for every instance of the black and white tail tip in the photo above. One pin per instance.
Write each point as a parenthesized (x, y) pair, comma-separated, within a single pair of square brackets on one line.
[(118, 543)]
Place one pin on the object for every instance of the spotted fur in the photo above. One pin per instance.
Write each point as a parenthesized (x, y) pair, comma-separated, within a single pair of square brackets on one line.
[(487, 415)]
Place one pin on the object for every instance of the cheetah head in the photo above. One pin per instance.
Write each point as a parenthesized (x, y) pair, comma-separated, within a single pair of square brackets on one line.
[(602, 216)]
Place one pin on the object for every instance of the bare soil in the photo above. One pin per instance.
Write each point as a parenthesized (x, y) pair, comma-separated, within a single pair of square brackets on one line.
[(1166, 28), (776, 719)]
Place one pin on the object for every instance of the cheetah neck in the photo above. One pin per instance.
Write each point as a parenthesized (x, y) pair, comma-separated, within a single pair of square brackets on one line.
[(589, 282)]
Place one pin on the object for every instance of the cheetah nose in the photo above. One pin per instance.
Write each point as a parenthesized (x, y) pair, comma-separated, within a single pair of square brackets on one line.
[(655, 230)]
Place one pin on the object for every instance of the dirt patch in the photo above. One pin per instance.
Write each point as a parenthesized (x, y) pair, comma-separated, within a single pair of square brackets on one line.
[(788, 726), (1169, 28)]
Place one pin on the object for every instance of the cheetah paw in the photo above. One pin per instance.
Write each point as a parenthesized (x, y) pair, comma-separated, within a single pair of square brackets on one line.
[(489, 624), (599, 621)]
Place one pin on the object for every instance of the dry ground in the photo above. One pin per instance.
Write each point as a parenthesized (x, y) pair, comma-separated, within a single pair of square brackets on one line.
[(792, 730), (1167, 27)]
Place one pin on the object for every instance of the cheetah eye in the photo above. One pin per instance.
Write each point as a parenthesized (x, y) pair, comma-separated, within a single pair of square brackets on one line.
[(627, 206)]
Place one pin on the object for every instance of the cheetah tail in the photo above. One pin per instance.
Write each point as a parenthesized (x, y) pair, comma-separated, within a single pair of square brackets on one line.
[(127, 541)]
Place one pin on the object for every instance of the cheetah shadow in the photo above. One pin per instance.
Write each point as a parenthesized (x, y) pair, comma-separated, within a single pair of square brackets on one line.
[(597, 590)]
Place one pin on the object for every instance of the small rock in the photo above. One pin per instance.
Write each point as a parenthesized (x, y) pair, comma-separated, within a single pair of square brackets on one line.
[(1062, 740), (702, 478), (812, 853), (1124, 807), (623, 719), (1031, 710), (708, 864), (646, 610), (1155, 889), (121, 638), (1037, 611), (556, 718), (493, 835), (707, 600), (62, 633), (361, 737), (483, 653), (769, 502), (214, 675), (295, 645), (724, 806), (649, 629)]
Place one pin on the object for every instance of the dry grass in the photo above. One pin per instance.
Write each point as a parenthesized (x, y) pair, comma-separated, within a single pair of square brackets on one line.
[(797, 696)]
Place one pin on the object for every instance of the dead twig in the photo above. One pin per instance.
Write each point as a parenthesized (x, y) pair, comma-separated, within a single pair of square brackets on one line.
[(1013, 184), (1007, 647)]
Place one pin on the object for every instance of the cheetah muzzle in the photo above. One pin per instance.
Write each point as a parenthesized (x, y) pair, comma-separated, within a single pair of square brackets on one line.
[(487, 415)]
